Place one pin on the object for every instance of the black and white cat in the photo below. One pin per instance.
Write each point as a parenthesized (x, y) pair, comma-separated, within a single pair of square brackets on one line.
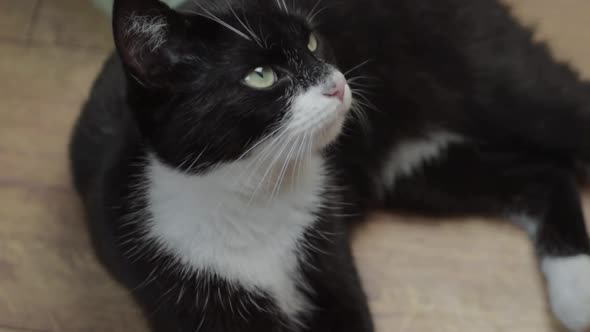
[(223, 155)]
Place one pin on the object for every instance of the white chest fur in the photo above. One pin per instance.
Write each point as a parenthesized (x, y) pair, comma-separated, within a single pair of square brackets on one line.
[(210, 224)]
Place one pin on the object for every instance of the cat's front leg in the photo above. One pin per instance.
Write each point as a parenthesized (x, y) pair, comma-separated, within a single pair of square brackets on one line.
[(340, 304), (202, 302)]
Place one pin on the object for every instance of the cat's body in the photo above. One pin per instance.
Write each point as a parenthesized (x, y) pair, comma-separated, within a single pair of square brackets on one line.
[(268, 269), (226, 218)]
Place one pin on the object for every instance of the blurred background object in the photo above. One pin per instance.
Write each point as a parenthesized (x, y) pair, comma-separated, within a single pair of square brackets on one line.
[(421, 275)]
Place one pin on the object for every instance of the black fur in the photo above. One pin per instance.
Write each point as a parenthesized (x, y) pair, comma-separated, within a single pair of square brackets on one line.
[(463, 66)]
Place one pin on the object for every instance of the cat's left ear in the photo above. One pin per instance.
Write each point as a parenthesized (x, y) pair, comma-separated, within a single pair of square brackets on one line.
[(148, 38)]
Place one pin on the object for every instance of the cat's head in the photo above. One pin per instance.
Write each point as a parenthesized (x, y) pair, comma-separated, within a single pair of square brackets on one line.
[(219, 84)]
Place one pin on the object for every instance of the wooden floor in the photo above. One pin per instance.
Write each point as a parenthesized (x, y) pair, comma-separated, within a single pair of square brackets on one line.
[(461, 275)]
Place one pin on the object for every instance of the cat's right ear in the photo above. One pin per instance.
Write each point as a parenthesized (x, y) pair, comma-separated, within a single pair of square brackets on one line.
[(143, 32)]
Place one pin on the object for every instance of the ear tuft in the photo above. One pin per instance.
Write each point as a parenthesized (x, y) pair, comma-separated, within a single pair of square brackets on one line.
[(142, 31), (147, 31)]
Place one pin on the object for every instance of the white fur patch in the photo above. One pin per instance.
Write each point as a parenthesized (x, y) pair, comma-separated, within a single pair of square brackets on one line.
[(410, 155), (526, 222), (147, 31), (209, 222), (568, 283)]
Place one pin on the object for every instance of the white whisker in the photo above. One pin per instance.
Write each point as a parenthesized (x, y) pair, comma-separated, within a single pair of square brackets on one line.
[(260, 41), (279, 4), (364, 100), (312, 18), (190, 156), (355, 84), (300, 158), (252, 34), (357, 66), (265, 138), (253, 166), (279, 179), (258, 160), (271, 166), (361, 116), (362, 78), (362, 82), (286, 8), (312, 11), (196, 160), (207, 14)]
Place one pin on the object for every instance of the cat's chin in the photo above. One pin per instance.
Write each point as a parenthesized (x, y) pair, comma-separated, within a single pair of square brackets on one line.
[(328, 135)]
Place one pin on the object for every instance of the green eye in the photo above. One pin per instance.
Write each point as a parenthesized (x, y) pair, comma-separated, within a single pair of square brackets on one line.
[(261, 78), (312, 44)]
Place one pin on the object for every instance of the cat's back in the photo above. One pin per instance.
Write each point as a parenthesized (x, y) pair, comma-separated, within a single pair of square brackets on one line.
[(104, 125)]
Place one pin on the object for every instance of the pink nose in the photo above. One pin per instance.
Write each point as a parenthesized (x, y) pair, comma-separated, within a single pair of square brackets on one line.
[(336, 88)]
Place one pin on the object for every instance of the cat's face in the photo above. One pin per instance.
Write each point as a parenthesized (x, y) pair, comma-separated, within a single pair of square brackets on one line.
[(218, 85)]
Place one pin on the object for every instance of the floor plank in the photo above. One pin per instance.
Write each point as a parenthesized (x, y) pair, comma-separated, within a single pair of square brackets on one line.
[(16, 19), (15, 329), (450, 276), (72, 23), (47, 73)]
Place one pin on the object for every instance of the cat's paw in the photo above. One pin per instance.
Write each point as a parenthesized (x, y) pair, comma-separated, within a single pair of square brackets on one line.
[(568, 283)]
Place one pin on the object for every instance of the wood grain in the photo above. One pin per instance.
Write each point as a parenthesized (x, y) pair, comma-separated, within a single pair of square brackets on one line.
[(71, 23), (16, 19), (421, 275)]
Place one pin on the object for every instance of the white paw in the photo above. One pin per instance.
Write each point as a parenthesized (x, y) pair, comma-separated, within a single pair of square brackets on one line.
[(568, 283)]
